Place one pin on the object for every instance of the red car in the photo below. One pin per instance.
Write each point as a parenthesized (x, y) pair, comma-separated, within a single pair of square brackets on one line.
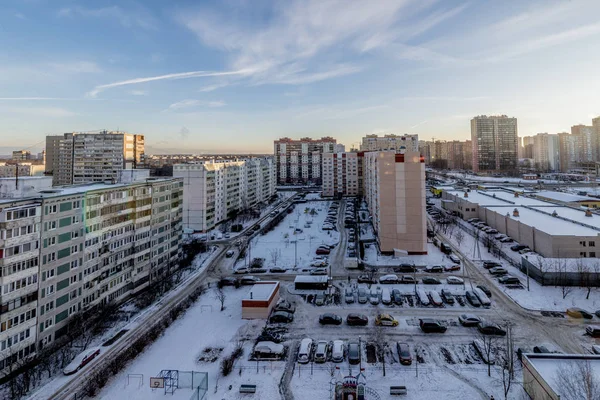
[(449, 268), (323, 250)]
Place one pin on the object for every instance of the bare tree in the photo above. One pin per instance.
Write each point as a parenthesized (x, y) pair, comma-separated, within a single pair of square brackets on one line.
[(505, 364), (380, 345), (487, 347), (561, 269), (275, 255), (459, 237), (577, 381), (220, 296)]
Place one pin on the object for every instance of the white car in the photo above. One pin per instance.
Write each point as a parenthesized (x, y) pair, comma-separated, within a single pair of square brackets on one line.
[(454, 280), (241, 270), (391, 278), (337, 351), (81, 360)]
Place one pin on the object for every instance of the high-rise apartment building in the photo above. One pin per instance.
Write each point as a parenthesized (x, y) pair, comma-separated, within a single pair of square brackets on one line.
[(546, 152), (21, 155), (298, 162), (343, 174), (398, 143), (217, 190), (494, 142), (587, 143), (567, 145), (75, 158), (394, 189), (596, 125), (528, 143), (71, 249)]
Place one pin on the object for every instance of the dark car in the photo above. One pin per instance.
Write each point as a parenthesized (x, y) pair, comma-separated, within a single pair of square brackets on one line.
[(472, 298), (541, 350), (284, 305), (226, 281), (353, 353), (357, 320), (485, 290), (447, 296), (434, 269), (365, 278), (408, 279), (509, 280), (429, 325), (404, 353), (330, 319), (323, 251), (281, 316), (488, 328), (404, 268), (277, 270), (397, 297), (431, 281), (577, 312), (517, 247), (491, 264)]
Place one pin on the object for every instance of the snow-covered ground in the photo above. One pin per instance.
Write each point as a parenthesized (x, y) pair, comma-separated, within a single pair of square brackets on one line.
[(283, 248), (434, 256)]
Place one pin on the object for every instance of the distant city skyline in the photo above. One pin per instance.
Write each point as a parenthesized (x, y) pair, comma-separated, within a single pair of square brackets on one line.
[(232, 76)]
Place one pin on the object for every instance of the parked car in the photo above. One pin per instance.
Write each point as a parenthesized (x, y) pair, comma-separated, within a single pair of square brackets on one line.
[(517, 247), (281, 317), (353, 353), (397, 297), (305, 350), (454, 280), (469, 320), (577, 312), (489, 328), (388, 279), (472, 298), (330, 319), (509, 280), (386, 297), (541, 350), (249, 280), (385, 320), (404, 353), (491, 264), (362, 296), (498, 271), (349, 295), (435, 298), (357, 319), (404, 268), (321, 351), (323, 250), (228, 281), (506, 240), (408, 279), (320, 299), (374, 297), (485, 290), (454, 258), (447, 296), (434, 269), (241, 270), (430, 281), (229, 253), (319, 271), (277, 270), (268, 350), (337, 351), (366, 278), (593, 330), (284, 305), (429, 325), (451, 268), (81, 360)]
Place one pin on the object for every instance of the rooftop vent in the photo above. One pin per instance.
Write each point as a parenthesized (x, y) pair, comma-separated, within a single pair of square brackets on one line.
[(466, 194), (554, 213), (588, 213), (516, 194), (515, 213)]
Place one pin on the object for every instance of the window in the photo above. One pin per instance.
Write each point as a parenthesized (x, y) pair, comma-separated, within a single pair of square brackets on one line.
[(592, 254), (582, 242), (592, 243), (77, 204), (582, 254), (75, 219)]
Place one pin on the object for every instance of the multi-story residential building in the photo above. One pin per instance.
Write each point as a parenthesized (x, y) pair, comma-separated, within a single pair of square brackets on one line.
[(546, 152), (398, 143), (587, 143), (596, 125), (298, 162), (75, 158), (425, 149), (71, 249), (217, 190), (20, 169), (494, 142), (454, 154), (343, 174), (567, 145), (21, 155), (19, 278), (394, 189), (528, 143)]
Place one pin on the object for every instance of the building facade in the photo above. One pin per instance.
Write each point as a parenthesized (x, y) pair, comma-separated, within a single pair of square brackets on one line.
[(398, 143), (20, 169), (343, 174), (72, 249), (217, 190), (20, 155), (298, 162), (75, 158), (546, 152), (394, 189), (494, 142)]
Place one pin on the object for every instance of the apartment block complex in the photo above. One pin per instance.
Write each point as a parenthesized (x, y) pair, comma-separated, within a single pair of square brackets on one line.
[(217, 190), (495, 143), (398, 143), (75, 158), (20, 169), (70, 249), (298, 162), (21, 155), (394, 189), (442, 154), (343, 174), (546, 152)]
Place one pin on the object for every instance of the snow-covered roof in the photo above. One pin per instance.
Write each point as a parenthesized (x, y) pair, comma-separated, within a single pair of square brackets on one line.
[(521, 200), (568, 222), (262, 290), (550, 366), (310, 279), (560, 196)]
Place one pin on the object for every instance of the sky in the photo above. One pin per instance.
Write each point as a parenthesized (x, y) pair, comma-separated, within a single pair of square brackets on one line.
[(231, 76)]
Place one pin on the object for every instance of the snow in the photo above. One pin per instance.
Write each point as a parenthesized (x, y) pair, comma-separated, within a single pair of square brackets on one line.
[(310, 279), (560, 196), (261, 291), (550, 367), (434, 256)]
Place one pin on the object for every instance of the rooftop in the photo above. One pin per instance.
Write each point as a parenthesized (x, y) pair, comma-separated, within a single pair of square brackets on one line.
[(567, 222), (564, 197), (262, 290)]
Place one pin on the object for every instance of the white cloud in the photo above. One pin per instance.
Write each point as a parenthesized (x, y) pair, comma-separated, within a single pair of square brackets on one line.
[(210, 88), (192, 103), (138, 17), (138, 93), (182, 75)]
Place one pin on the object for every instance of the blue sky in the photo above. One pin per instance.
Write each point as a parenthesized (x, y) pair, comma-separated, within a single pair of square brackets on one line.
[(233, 75)]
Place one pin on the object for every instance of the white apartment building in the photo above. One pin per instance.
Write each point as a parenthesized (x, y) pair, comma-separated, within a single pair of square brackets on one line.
[(343, 174), (21, 169), (394, 189), (546, 152), (72, 249), (298, 162), (399, 143), (75, 158), (216, 190)]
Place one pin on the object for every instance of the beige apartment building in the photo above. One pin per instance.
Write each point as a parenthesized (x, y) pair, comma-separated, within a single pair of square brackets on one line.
[(398, 143), (394, 189), (298, 162), (343, 174), (81, 157)]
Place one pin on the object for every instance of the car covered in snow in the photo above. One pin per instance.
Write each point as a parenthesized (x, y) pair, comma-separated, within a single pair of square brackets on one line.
[(337, 351), (388, 279), (349, 295), (451, 268), (268, 350), (454, 280), (469, 320), (81, 360), (434, 269), (454, 258)]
